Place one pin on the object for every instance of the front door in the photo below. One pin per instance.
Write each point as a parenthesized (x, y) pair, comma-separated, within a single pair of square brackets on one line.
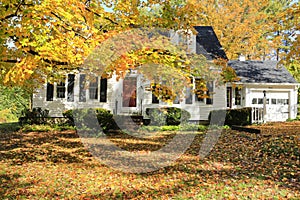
[(129, 96)]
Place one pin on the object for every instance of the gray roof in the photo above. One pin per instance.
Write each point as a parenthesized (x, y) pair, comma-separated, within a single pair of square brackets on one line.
[(261, 72), (208, 43)]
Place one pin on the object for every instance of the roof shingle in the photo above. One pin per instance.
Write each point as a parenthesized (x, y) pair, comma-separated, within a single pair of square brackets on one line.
[(261, 72)]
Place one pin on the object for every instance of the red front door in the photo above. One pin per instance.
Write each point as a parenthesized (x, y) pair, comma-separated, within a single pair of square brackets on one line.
[(129, 92)]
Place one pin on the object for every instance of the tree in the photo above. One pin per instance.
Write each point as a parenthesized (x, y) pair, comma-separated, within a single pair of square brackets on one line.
[(246, 27), (43, 38)]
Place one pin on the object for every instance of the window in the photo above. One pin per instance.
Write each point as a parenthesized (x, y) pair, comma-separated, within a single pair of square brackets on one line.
[(93, 89), (154, 98), (273, 101), (49, 92), (176, 100), (183, 39), (229, 97), (82, 92), (254, 101), (103, 90), (282, 101), (210, 90), (260, 101), (61, 89), (189, 96), (238, 96), (70, 89), (199, 87)]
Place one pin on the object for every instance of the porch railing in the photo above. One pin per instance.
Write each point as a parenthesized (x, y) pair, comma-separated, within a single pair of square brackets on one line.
[(257, 115)]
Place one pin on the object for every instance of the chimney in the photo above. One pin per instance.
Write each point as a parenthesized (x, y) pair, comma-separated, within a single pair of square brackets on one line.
[(242, 57)]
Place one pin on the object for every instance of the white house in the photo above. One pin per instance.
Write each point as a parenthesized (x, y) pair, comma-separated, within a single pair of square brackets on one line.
[(131, 96)]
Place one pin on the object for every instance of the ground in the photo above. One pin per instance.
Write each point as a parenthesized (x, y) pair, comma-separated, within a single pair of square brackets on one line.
[(56, 165)]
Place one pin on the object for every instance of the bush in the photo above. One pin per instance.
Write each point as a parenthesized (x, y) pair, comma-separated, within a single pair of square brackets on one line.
[(34, 116), (104, 117), (240, 117), (68, 114), (167, 116)]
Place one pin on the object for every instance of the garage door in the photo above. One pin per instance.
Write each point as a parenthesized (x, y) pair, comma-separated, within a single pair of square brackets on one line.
[(277, 104)]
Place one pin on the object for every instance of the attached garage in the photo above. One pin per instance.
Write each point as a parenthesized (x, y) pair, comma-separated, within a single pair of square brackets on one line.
[(267, 88), (277, 104)]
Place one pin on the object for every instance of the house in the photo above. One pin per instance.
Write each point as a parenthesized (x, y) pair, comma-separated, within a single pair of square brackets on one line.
[(131, 95)]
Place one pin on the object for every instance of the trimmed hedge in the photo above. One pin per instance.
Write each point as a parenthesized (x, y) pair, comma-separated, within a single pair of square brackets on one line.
[(240, 117), (104, 117), (167, 116)]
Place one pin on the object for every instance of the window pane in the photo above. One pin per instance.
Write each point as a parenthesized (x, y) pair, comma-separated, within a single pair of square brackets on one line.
[(61, 89), (260, 101), (82, 92), (176, 100), (254, 101), (238, 96), (199, 90), (273, 101), (189, 96), (93, 89)]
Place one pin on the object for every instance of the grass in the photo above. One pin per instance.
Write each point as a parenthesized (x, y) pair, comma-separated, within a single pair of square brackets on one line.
[(49, 163)]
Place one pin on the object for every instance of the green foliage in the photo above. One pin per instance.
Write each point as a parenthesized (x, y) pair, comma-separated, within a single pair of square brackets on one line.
[(9, 127), (183, 127), (13, 100), (193, 127), (34, 116), (150, 128), (104, 117), (7, 116), (68, 114), (240, 116), (46, 127), (169, 128), (167, 116)]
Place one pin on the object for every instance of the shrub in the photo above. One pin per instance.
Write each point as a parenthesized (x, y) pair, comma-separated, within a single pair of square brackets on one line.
[(239, 117), (68, 114), (167, 116), (34, 116), (157, 116), (104, 117)]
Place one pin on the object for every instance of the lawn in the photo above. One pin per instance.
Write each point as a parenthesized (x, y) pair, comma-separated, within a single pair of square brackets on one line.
[(56, 165)]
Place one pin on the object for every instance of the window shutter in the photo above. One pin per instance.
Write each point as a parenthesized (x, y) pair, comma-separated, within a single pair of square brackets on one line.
[(103, 90), (70, 90), (49, 92)]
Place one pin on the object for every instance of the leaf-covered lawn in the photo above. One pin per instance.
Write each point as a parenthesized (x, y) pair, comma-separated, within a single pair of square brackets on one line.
[(55, 165)]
